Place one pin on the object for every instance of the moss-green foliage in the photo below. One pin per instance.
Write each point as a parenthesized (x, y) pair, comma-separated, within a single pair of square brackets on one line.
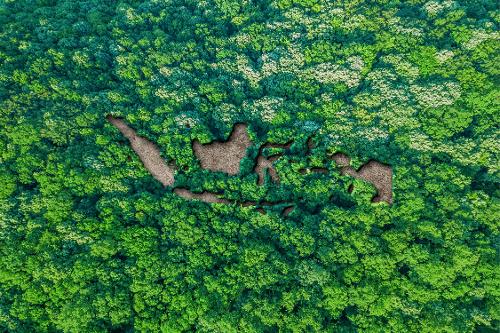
[(90, 242)]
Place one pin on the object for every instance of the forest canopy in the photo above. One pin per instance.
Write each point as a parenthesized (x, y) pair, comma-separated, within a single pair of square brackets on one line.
[(90, 241)]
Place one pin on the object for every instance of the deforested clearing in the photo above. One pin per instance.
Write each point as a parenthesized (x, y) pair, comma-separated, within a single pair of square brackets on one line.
[(342, 160), (264, 163), (205, 196), (380, 175), (148, 153), (374, 172), (224, 156)]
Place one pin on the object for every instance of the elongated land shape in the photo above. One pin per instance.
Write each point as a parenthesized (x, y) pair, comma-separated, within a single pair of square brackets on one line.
[(148, 153), (207, 197), (226, 157)]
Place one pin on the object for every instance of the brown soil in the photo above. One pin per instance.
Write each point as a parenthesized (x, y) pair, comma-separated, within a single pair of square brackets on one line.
[(380, 175), (224, 156), (208, 197), (342, 160), (147, 151), (261, 210), (319, 170), (264, 163), (310, 145), (288, 210)]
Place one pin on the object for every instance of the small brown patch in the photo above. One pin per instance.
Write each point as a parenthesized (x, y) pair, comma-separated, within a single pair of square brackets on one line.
[(342, 160), (376, 173), (264, 163), (288, 210), (380, 175), (319, 170), (310, 145), (147, 151), (349, 170), (207, 197), (261, 210), (224, 156)]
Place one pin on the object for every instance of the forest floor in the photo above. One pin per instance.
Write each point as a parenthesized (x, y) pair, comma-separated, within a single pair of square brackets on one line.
[(148, 153), (225, 156), (205, 196), (379, 174)]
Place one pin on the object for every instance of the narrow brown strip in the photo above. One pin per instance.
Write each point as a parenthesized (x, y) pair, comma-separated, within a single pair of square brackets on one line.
[(205, 196), (147, 151)]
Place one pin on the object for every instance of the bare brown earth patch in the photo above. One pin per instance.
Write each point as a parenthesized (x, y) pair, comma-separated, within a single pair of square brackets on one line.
[(319, 170), (205, 196), (261, 210), (147, 151), (264, 163), (376, 173), (288, 210), (224, 156), (342, 160), (310, 145), (380, 175)]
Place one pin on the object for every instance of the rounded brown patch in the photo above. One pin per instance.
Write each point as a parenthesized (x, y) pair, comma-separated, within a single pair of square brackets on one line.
[(342, 160)]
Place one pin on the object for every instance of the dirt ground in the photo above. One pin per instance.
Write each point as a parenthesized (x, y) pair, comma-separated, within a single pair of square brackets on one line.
[(148, 153), (224, 156), (208, 197), (264, 163), (288, 210), (380, 175), (342, 160), (376, 173)]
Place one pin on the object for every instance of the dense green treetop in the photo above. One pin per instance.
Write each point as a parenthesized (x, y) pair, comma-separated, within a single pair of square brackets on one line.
[(90, 242)]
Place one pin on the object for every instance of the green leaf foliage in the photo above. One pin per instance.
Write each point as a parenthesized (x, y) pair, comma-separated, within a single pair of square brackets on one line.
[(90, 242)]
